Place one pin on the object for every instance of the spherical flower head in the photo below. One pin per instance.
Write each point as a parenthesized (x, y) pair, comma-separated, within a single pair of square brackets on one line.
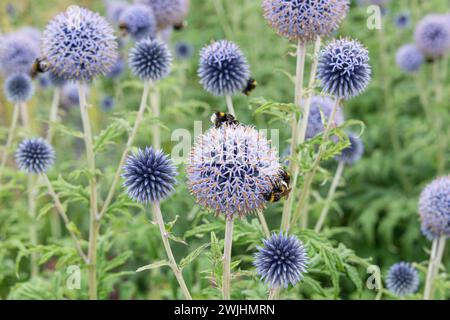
[(402, 20), (230, 169), (117, 69), (32, 34), (344, 68), (353, 153), (432, 36), (150, 60), (168, 12), (79, 45), (402, 279), (320, 112), (18, 88), (17, 54), (223, 68), (305, 20), (149, 176), (409, 58), (139, 21), (281, 261), (434, 208), (35, 156), (114, 9), (183, 50)]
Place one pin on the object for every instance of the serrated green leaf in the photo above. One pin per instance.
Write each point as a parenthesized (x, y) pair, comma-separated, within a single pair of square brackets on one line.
[(155, 265), (193, 255)]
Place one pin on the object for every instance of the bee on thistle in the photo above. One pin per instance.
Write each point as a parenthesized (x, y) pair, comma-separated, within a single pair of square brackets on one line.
[(40, 65), (220, 118), (251, 85), (281, 187)]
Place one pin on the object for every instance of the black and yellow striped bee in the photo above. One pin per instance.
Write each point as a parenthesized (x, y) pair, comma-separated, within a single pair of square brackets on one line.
[(123, 30), (280, 188), (180, 26), (251, 85), (40, 65), (219, 118)]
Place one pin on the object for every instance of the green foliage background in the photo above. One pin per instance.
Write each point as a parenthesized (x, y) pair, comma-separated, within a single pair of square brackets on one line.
[(373, 220)]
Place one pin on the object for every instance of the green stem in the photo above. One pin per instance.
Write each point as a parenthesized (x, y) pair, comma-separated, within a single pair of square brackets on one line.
[(437, 251), (299, 75), (263, 222), (226, 281), (165, 238), (53, 114), (132, 136), (10, 139), (32, 195), (93, 222), (330, 196), (230, 106), (156, 109)]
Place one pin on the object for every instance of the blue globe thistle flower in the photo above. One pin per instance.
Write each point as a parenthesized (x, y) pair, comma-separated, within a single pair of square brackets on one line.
[(17, 54), (44, 81), (409, 58), (117, 69), (150, 60), (434, 208), (305, 20), (138, 21), (432, 35), (231, 168), (353, 153), (149, 176), (402, 279), (344, 68), (79, 45), (223, 68), (34, 35), (403, 20), (168, 12), (35, 156), (114, 9), (18, 88), (183, 50), (281, 261), (107, 103), (321, 106)]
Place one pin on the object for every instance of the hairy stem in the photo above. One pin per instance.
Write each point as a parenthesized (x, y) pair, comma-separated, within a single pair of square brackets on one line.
[(64, 217), (304, 194), (263, 222), (330, 196), (93, 222), (156, 109), (165, 238), (25, 117), (230, 106), (226, 280), (11, 134), (53, 113), (299, 75), (32, 211), (437, 251), (131, 137)]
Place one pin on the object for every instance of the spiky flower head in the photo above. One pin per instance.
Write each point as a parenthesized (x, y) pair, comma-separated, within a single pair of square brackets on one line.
[(434, 208), (114, 9), (79, 44), (320, 112), (223, 68), (344, 68), (353, 153), (17, 54), (281, 261), (183, 50), (305, 20), (117, 69), (402, 279), (150, 60), (168, 12), (230, 169), (18, 88), (402, 20), (35, 156), (432, 35), (409, 58), (149, 175), (139, 21)]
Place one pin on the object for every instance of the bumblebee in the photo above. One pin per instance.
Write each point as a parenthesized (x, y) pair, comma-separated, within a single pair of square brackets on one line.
[(123, 30), (281, 187), (40, 65), (251, 85), (219, 118), (180, 26)]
